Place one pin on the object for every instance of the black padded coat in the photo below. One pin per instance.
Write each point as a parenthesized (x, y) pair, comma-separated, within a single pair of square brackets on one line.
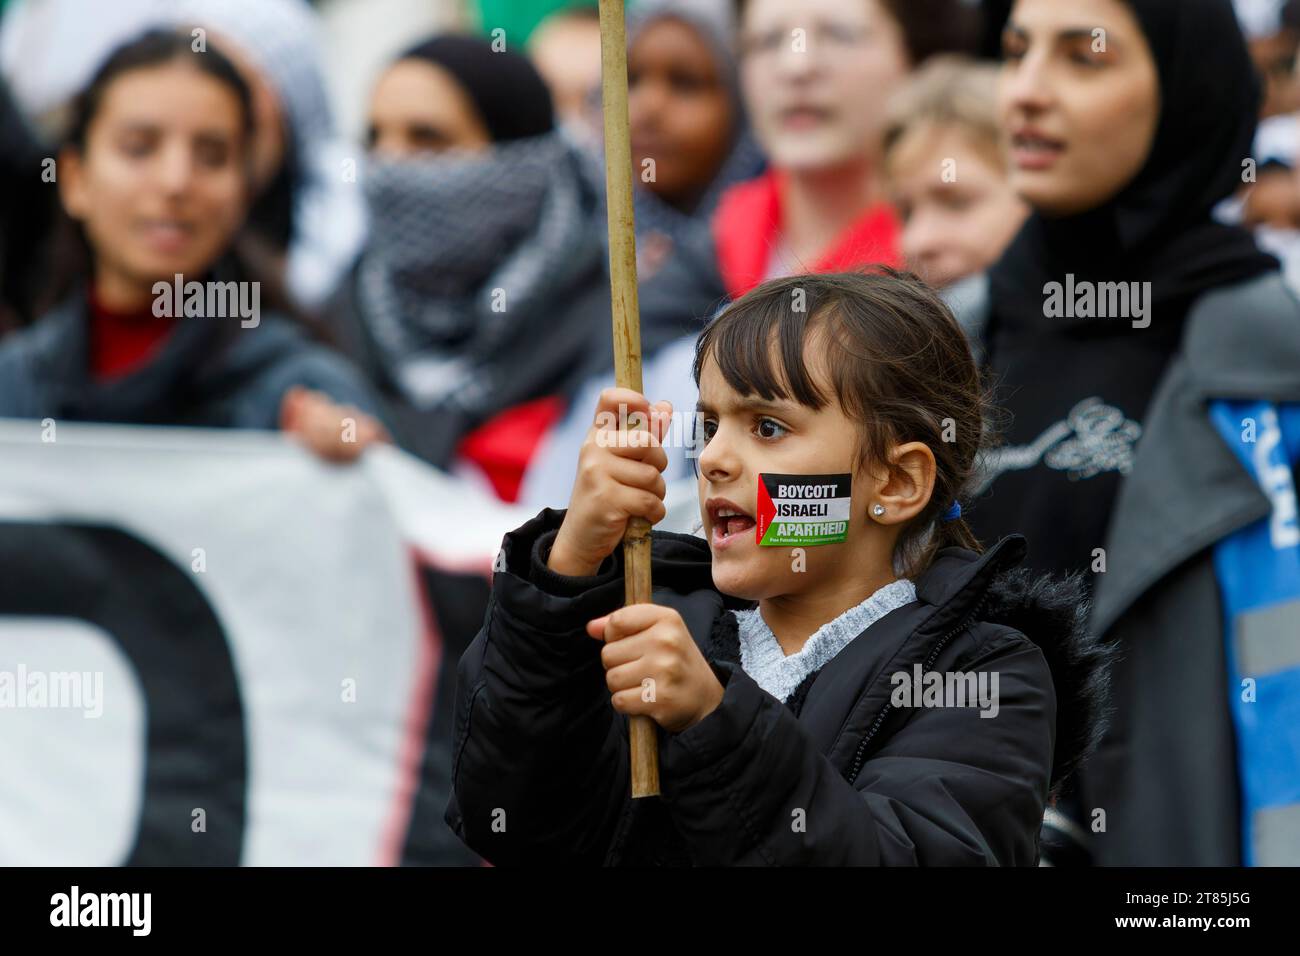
[(836, 775)]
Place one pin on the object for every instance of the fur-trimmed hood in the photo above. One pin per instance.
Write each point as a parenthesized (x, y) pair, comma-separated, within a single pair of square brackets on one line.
[(1052, 611)]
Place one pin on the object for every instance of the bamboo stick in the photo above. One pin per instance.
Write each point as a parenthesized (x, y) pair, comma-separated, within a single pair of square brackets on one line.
[(627, 334)]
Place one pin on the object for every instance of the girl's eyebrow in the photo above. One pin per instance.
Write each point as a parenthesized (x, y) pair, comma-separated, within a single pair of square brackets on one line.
[(749, 405)]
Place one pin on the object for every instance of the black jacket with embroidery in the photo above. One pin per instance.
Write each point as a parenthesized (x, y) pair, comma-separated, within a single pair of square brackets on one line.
[(837, 775)]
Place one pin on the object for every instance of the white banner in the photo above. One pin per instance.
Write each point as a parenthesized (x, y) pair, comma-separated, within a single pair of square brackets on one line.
[(215, 648)]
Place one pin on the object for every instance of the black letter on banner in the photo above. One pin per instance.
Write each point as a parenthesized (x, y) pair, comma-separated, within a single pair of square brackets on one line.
[(195, 754)]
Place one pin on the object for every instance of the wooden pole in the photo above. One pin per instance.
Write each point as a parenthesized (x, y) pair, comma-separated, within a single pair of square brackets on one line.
[(627, 334)]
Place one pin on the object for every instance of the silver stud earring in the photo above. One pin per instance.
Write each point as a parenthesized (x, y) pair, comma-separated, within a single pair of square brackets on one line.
[(877, 509)]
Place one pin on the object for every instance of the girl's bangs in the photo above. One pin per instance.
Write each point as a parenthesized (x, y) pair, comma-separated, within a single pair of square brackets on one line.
[(759, 346)]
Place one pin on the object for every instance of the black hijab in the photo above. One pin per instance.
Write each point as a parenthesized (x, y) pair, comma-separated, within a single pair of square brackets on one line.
[(506, 89), (1076, 390), (1159, 227)]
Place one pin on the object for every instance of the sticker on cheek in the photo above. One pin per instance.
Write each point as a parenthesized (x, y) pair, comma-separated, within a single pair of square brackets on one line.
[(802, 510)]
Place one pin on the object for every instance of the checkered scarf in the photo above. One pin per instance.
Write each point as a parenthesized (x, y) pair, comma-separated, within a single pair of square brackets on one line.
[(464, 247)]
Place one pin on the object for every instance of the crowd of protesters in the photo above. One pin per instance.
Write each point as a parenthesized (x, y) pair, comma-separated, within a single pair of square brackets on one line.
[(442, 279)]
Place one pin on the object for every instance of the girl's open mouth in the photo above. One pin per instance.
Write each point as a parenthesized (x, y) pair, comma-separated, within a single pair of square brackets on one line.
[(727, 522)]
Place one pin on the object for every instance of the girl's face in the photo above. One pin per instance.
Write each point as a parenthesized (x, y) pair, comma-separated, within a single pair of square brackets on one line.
[(817, 75), (162, 184), (681, 113), (745, 437), (420, 108), (1079, 100), (953, 225)]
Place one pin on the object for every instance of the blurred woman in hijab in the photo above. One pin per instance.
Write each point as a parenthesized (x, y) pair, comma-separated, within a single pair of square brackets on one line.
[(1134, 340), (690, 137), (484, 275)]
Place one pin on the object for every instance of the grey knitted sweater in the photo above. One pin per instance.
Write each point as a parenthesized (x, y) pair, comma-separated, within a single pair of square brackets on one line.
[(761, 655)]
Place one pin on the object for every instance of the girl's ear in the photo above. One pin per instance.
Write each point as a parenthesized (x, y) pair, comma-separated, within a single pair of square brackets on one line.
[(72, 183), (907, 489)]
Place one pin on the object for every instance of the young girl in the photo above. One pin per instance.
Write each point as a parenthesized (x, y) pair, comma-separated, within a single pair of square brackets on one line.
[(794, 687), (156, 175)]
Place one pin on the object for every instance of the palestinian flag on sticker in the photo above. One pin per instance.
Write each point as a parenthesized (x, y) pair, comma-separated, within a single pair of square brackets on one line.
[(802, 510)]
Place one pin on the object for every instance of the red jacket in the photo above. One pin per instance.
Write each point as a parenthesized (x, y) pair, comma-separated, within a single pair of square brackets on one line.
[(748, 221)]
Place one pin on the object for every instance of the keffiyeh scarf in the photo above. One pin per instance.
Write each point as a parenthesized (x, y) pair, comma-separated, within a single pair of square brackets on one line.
[(465, 246)]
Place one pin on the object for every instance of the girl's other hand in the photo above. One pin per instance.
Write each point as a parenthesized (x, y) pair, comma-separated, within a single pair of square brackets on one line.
[(338, 433), (619, 477), (654, 667)]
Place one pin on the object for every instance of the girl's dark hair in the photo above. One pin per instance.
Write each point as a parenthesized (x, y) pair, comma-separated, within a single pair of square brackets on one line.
[(156, 48), (929, 26), (899, 366)]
